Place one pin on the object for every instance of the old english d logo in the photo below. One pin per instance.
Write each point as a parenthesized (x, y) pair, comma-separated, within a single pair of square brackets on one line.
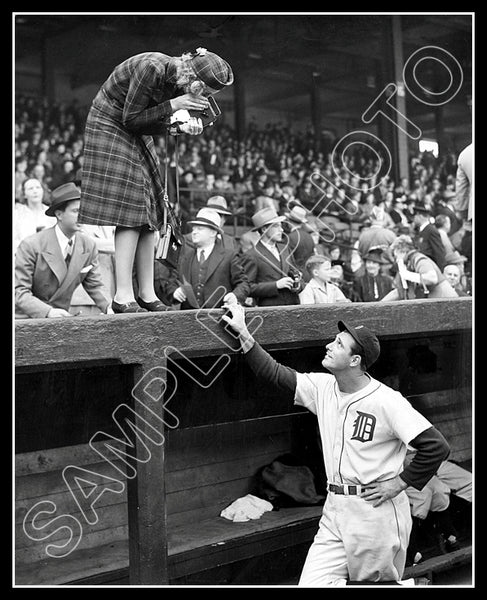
[(363, 427)]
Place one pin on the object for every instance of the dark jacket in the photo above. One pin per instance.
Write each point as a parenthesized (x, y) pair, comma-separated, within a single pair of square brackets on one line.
[(264, 269), (429, 242), (223, 269)]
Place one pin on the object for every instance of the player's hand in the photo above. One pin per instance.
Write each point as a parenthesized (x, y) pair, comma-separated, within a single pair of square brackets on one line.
[(56, 313), (189, 102), (236, 320), (380, 491), (179, 295), (193, 127), (285, 283), (230, 298)]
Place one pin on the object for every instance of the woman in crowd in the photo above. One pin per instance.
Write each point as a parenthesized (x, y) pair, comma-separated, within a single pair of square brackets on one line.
[(29, 218)]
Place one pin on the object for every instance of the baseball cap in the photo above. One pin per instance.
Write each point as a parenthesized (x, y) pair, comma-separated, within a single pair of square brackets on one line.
[(365, 339)]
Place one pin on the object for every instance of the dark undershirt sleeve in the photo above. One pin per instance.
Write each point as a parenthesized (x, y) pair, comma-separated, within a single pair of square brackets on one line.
[(270, 371), (432, 449)]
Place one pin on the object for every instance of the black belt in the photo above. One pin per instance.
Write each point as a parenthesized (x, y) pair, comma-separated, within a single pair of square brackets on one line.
[(347, 490)]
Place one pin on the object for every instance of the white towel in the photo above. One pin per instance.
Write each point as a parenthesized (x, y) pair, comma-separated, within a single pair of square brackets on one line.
[(246, 508)]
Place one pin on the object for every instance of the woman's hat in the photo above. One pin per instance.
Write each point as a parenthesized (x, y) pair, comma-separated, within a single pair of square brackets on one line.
[(62, 194), (208, 218), (219, 204), (376, 256), (211, 69), (265, 216)]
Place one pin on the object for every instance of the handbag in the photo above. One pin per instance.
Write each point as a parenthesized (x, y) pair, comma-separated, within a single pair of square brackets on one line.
[(171, 240)]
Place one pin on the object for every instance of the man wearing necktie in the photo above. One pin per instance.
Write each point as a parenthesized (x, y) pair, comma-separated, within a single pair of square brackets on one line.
[(50, 264), (209, 273)]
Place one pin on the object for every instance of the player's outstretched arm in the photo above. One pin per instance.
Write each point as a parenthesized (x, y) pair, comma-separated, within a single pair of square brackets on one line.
[(261, 362)]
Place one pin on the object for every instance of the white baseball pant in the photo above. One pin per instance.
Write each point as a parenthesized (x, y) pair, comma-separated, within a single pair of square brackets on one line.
[(359, 542)]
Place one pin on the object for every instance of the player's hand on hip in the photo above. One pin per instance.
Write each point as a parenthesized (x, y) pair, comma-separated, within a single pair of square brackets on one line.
[(380, 491)]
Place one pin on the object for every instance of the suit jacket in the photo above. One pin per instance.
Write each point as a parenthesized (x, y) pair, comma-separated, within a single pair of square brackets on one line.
[(301, 245), (224, 269), (264, 269), (429, 242), (42, 280)]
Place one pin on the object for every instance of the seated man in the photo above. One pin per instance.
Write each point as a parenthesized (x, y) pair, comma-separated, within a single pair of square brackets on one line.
[(433, 501), (209, 273), (50, 264)]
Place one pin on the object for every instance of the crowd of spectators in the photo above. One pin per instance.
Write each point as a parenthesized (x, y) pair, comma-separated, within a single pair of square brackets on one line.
[(275, 168)]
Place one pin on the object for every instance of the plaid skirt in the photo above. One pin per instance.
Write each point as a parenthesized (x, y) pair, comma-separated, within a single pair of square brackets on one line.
[(121, 181)]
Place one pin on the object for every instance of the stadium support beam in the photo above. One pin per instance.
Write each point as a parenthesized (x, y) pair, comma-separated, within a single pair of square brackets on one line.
[(392, 130)]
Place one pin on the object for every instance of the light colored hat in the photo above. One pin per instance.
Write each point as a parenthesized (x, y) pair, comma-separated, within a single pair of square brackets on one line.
[(219, 204), (266, 216), (208, 218), (297, 214)]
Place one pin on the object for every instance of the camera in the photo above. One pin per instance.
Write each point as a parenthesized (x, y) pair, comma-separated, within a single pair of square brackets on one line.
[(297, 277), (209, 115)]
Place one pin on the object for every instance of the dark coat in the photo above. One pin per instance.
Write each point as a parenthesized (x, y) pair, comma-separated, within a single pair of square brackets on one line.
[(263, 270), (224, 270), (429, 243), (121, 176), (364, 287)]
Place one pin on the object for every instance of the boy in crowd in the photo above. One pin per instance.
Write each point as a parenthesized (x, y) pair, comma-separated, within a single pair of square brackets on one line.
[(320, 290)]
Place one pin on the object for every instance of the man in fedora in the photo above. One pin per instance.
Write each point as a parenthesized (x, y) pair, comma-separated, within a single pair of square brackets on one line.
[(219, 205), (373, 285), (50, 264), (300, 240), (273, 276), (428, 239), (209, 273)]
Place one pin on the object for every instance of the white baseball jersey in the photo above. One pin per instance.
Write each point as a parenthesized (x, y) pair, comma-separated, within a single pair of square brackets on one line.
[(364, 434)]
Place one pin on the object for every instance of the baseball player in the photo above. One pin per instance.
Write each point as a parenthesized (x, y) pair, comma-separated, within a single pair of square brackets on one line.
[(365, 428)]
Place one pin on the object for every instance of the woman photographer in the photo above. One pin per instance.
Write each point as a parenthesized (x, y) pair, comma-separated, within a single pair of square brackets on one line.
[(121, 178)]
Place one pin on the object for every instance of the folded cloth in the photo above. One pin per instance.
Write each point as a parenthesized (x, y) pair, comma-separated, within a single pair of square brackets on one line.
[(246, 508)]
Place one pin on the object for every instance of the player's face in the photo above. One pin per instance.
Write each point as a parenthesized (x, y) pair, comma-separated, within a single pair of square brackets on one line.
[(339, 353)]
